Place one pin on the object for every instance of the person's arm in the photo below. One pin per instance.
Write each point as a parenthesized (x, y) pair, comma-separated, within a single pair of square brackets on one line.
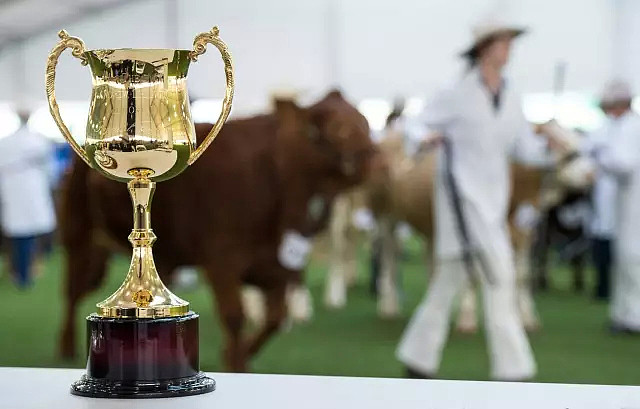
[(440, 112), (592, 143), (531, 148), (43, 152), (434, 121), (621, 156), (413, 131)]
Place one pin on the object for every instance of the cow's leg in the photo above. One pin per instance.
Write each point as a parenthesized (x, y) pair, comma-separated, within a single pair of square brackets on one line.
[(335, 294), (540, 256), (299, 302), (375, 262), (253, 306), (526, 304), (86, 268), (351, 249), (67, 343), (577, 267), (276, 312), (228, 292), (467, 322), (388, 291)]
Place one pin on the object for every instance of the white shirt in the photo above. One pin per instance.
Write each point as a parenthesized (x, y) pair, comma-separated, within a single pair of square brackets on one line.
[(621, 158), (485, 142), (603, 218), (26, 205)]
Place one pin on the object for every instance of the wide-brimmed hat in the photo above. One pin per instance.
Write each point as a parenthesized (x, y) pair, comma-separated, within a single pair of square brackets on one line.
[(616, 91), (488, 28)]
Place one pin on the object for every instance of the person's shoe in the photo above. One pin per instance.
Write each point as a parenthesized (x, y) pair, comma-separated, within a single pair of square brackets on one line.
[(411, 373), (599, 295), (618, 329)]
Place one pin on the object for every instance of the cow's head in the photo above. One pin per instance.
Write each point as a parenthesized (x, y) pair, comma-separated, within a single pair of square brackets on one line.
[(329, 139), (574, 169)]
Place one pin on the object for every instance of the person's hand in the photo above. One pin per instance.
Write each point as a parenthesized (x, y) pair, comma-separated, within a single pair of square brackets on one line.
[(556, 144), (538, 128), (558, 138), (431, 141)]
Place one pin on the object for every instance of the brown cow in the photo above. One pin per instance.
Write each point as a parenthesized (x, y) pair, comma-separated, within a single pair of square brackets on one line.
[(406, 195), (228, 212)]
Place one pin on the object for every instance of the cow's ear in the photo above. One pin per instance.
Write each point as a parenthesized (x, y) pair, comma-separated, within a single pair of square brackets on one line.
[(286, 108), (287, 112), (335, 93)]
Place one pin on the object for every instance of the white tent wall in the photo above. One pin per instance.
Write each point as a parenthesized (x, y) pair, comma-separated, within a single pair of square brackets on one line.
[(578, 33), (403, 47), (9, 67), (276, 45), (371, 48), (139, 24), (411, 47), (626, 42)]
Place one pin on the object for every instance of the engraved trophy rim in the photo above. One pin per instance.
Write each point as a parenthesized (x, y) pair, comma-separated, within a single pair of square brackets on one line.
[(94, 50)]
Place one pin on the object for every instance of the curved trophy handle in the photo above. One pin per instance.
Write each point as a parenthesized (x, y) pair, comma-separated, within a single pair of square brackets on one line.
[(77, 50), (199, 47)]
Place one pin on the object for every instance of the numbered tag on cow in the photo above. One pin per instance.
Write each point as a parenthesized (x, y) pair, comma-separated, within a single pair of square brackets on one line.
[(526, 217), (294, 250), (363, 219)]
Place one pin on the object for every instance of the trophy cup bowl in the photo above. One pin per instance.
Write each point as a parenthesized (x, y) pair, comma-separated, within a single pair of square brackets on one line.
[(142, 341)]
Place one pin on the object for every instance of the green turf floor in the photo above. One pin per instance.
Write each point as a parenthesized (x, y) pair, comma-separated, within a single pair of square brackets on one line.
[(572, 347)]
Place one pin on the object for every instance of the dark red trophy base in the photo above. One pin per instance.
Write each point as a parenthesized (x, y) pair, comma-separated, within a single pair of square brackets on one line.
[(142, 358)]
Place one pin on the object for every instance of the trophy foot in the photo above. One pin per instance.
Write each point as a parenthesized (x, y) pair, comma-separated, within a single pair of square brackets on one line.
[(102, 388), (142, 358)]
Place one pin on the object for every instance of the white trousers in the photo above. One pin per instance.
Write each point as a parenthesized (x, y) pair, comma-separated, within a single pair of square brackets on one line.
[(510, 353), (625, 300)]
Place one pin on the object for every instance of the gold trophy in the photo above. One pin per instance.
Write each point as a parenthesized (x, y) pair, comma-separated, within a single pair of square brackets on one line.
[(143, 339)]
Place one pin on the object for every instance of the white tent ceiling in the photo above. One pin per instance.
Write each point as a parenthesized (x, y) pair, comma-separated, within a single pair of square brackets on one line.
[(22, 19), (372, 49)]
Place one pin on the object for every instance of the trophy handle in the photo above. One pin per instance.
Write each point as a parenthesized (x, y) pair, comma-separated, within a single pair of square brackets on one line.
[(199, 47), (77, 50)]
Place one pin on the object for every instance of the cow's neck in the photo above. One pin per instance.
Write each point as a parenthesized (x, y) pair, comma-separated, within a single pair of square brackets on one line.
[(304, 205)]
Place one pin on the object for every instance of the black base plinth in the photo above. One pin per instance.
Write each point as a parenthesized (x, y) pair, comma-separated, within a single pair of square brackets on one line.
[(101, 388), (142, 358)]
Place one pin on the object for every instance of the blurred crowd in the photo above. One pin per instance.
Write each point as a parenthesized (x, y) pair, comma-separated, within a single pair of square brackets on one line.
[(31, 169)]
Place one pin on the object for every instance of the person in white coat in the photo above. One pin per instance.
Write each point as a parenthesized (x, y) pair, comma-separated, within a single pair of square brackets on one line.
[(615, 103), (26, 205), (481, 117), (620, 157)]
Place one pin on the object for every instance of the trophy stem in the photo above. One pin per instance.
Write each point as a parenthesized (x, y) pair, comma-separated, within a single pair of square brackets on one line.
[(141, 190), (143, 343), (143, 294)]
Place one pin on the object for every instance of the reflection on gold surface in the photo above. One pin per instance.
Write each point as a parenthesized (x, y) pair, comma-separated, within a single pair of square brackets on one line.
[(139, 115), (140, 131)]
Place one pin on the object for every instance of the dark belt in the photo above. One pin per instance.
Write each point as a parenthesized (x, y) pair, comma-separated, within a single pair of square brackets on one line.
[(461, 221)]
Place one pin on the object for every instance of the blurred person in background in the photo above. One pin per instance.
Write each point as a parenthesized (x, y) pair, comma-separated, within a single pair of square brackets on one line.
[(620, 158), (26, 205), (602, 225), (480, 117)]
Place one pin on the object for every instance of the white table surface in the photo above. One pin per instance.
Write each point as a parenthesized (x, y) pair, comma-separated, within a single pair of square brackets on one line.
[(49, 388)]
